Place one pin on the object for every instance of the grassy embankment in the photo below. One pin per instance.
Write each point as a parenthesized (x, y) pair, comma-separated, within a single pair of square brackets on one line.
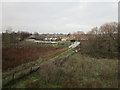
[(78, 71)]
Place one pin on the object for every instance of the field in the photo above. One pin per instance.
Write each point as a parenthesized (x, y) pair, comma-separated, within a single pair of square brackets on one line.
[(77, 71), (24, 52)]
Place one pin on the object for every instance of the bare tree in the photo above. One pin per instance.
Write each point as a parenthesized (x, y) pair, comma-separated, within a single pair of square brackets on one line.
[(78, 35), (103, 39)]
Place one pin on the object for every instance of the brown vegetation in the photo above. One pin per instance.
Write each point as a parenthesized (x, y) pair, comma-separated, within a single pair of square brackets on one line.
[(78, 71), (102, 42), (16, 56)]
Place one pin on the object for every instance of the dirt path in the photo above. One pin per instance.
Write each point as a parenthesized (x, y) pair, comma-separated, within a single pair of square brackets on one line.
[(74, 45)]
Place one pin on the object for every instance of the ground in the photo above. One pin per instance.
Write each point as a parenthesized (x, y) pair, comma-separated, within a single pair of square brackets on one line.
[(24, 52), (77, 71)]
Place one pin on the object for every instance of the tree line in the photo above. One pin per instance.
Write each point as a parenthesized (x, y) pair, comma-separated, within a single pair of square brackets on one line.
[(102, 41), (11, 37)]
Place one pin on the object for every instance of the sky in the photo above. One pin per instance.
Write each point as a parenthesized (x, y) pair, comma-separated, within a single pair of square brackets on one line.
[(57, 17)]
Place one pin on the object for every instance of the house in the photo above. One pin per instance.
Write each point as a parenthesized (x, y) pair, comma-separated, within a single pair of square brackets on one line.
[(64, 39), (32, 37)]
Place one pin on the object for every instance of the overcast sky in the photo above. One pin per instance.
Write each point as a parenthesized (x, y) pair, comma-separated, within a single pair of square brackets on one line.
[(57, 17)]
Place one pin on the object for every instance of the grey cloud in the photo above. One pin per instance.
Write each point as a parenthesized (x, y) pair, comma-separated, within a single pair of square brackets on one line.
[(58, 17)]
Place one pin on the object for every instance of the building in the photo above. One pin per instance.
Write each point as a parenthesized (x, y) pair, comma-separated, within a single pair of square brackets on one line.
[(32, 37), (50, 39)]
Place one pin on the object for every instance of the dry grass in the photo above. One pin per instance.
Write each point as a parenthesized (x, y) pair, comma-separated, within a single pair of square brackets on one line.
[(77, 71), (24, 52), (16, 56)]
